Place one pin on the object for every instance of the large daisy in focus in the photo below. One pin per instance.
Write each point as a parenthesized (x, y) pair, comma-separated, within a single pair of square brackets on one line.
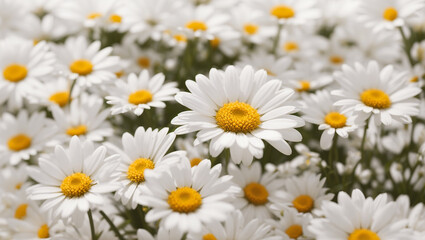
[(384, 94), (237, 109)]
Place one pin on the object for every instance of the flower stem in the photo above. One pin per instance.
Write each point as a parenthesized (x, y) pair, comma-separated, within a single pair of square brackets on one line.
[(276, 39), (111, 224), (363, 142), (406, 49), (92, 231)]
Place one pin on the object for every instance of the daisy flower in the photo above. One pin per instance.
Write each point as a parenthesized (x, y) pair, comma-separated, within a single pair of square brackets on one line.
[(140, 92), (195, 154), (300, 45), (257, 192), (186, 197), (275, 67), (163, 234), (24, 135), (14, 16), (418, 52), (87, 62), (50, 93), (237, 109), (319, 109), (137, 59), (72, 181), (13, 180), (383, 94), (357, 217), (84, 118), (21, 62), (292, 225)]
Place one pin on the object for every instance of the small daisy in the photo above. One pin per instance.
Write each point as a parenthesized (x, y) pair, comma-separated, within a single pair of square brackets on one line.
[(237, 109), (306, 159), (14, 16), (306, 78), (163, 234), (418, 52), (195, 154), (186, 197), (87, 62), (367, 90), (140, 92), (137, 59), (72, 181), (301, 46), (292, 225), (24, 136), (357, 217), (258, 190), (13, 180), (49, 93), (275, 67)]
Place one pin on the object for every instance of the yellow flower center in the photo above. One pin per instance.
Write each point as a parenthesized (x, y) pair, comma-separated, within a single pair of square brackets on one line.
[(15, 72), (136, 170), (363, 234), (250, 28), (237, 117), (414, 79), (390, 14), (60, 98), (115, 18), (18, 186), (180, 38), (76, 185), (303, 203), (269, 72), (119, 74), (335, 119), (94, 15), (43, 231), (77, 130), (282, 11), (195, 161), (290, 46), (375, 98), (21, 211), (215, 42), (196, 26), (335, 59), (256, 193), (184, 200), (209, 236), (304, 86), (294, 231), (144, 62), (19, 142), (140, 97), (81, 67)]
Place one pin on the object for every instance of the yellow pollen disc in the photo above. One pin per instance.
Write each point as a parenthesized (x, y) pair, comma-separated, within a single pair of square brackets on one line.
[(21, 211), (195, 161), (144, 62), (303, 203), (237, 117), (184, 200), (94, 15), (250, 28), (140, 97), (60, 98), (209, 236), (290, 46), (304, 86), (256, 193), (390, 14), (76, 185), (335, 119), (180, 38), (77, 130), (81, 67), (269, 72), (414, 79), (18, 186), (363, 234), (15, 72), (335, 59), (294, 231), (119, 74), (115, 18), (282, 11), (215, 42), (19, 142), (136, 170), (35, 41), (196, 26), (43, 231), (375, 98)]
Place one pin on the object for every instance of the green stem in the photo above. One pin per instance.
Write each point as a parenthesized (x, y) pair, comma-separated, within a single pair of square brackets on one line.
[(70, 90), (276, 39), (363, 142), (92, 231), (111, 224), (406, 49)]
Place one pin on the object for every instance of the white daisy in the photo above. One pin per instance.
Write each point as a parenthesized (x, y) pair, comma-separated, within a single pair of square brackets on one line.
[(306, 159), (23, 136), (137, 59), (163, 234), (292, 225), (13, 180), (72, 181), (237, 109), (275, 67), (52, 92), (306, 78), (258, 190), (357, 217), (140, 92), (195, 154), (418, 52), (186, 197), (301, 46), (367, 90), (14, 16), (87, 62)]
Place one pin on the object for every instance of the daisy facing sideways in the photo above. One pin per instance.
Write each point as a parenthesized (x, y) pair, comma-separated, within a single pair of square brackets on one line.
[(237, 109)]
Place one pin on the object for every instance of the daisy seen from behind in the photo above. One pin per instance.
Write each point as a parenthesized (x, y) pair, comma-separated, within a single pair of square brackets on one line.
[(237, 109)]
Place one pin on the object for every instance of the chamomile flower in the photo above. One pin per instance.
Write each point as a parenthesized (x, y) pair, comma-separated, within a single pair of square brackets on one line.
[(357, 217), (24, 135), (383, 94), (13, 17), (195, 154), (137, 59), (275, 67), (140, 92), (292, 225), (163, 234), (87, 62), (418, 51), (186, 197), (237, 110), (50, 93), (13, 180), (258, 190), (306, 78), (72, 181)]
